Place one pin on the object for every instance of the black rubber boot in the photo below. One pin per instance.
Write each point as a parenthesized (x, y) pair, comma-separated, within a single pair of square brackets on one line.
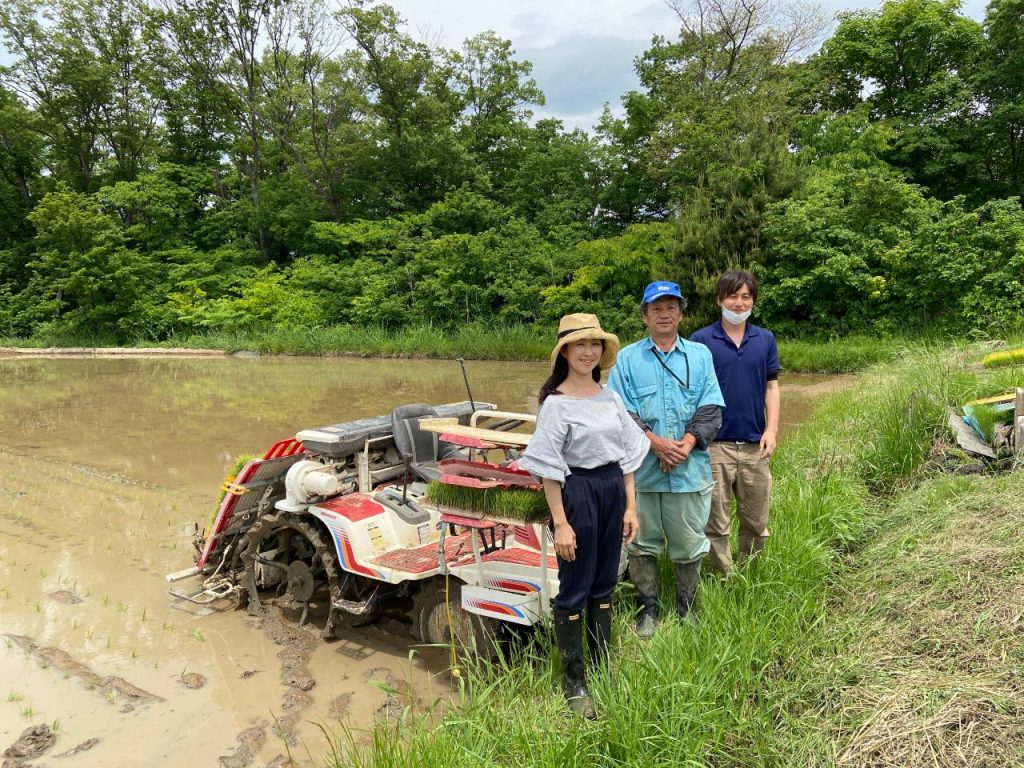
[(599, 629), (569, 633), (687, 577), (643, 572)]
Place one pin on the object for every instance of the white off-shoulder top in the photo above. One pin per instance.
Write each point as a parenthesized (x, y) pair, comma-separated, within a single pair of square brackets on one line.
[(585, 432)]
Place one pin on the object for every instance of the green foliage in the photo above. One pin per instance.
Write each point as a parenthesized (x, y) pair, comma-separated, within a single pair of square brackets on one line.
[(265, 301), (226, 169), (609, 275), (82, 266), (909, 63)]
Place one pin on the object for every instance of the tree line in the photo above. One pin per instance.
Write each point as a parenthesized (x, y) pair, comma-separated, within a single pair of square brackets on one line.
[(183, 166)]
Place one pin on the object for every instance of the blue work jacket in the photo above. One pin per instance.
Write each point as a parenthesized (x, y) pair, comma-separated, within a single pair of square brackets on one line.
[(666, 403)]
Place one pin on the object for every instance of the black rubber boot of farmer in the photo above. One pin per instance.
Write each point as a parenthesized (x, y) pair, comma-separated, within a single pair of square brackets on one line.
[(643, 572), (569, 634), (687, 577), (599, 629)]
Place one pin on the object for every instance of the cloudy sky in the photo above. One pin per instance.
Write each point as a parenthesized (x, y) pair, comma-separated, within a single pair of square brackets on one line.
[(582, 50)]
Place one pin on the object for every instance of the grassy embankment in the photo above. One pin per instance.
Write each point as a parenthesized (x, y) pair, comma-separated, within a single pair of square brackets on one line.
[(474, 342), (881, 627)]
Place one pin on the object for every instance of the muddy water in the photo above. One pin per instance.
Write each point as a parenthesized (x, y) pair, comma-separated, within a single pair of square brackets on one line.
[(105, 466)]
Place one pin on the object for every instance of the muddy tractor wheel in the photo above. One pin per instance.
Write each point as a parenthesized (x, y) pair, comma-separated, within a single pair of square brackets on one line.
[(441, 621), (288, 553)]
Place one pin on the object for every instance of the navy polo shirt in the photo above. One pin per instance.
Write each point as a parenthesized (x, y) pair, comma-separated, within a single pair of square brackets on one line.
[(743, 373)]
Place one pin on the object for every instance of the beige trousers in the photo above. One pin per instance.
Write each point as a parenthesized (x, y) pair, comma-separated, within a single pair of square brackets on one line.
[(739, 473)]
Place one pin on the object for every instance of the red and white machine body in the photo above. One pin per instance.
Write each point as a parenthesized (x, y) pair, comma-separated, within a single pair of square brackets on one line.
[(357, 492)]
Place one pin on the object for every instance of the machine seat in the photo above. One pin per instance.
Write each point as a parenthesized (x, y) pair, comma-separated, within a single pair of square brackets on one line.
[(423, 448)]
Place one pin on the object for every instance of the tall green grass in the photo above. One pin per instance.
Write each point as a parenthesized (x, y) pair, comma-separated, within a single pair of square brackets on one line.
[(518, 342), (735, 690), (478, 342), (846, 355)]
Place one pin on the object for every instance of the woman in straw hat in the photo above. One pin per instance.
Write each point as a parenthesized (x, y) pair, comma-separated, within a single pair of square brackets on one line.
[(585, 449)]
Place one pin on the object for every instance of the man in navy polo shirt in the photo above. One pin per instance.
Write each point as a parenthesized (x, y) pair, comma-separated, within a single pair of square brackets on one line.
[(747, 365)]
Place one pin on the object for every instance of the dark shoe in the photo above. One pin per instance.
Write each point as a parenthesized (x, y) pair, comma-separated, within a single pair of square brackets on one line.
[(687, 577), (599, 629), (569, 634), (643, 572)]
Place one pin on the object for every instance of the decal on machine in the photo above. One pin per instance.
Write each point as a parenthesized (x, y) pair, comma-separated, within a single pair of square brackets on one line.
[(376, 538), (423, 533)]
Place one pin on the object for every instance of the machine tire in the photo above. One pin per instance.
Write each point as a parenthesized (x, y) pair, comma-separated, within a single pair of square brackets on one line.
[(441, 622), (323, 560)]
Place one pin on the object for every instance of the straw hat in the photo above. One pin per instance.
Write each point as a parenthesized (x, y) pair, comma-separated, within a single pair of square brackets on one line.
[(583, 326)]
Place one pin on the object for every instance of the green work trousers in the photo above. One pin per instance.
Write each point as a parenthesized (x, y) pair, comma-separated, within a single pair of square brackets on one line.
[(673, 519)]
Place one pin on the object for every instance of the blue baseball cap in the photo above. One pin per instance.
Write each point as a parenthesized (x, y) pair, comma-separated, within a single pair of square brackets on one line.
[(659, 289)]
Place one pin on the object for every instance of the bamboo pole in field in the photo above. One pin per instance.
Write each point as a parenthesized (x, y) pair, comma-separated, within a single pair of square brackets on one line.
[(1018, 422)]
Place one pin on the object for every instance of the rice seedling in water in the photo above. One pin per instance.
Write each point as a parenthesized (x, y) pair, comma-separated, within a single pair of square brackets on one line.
[(15, 696), (520, 504)]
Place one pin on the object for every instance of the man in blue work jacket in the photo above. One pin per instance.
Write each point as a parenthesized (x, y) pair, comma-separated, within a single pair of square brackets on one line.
[(668, 385)]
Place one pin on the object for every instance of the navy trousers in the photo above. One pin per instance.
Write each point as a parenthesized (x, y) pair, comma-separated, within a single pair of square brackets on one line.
[(594, 501)]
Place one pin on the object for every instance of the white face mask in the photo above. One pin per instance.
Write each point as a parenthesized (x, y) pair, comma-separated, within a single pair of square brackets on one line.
[(735, 318)]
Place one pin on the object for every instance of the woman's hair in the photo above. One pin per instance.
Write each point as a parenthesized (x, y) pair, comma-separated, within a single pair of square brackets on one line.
[(559, 374)]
